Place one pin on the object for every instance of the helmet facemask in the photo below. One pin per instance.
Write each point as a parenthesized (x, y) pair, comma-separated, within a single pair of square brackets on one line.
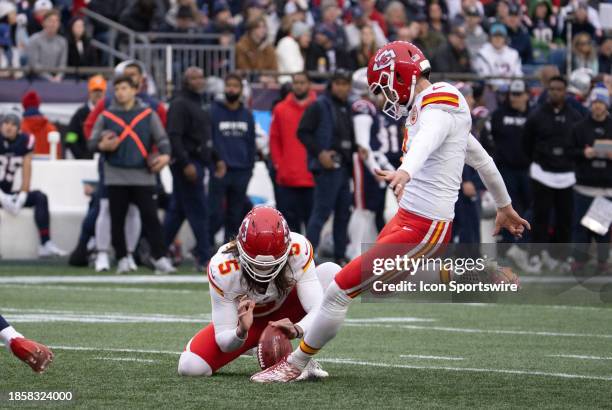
[(262, 268), (392, 106)]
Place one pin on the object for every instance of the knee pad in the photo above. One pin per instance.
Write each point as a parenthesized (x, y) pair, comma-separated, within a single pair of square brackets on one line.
[(190, 364), (326, 272), (335, 301)]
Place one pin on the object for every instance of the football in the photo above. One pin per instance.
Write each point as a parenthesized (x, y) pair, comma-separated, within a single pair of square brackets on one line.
[(273, 345)]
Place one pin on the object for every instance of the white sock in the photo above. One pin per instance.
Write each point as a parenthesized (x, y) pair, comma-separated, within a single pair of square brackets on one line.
[(9, 333), (328, 320), (133, 226)]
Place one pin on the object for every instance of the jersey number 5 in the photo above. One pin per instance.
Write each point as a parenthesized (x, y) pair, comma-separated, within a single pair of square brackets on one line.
[(228, 266)]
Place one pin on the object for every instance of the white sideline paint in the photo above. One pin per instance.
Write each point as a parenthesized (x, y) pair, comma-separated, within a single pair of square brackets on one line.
[(578, 356), (418, 356), (102, 289), (127, 359), (369, 364), (488, 331), (467, 369), (148, 279)]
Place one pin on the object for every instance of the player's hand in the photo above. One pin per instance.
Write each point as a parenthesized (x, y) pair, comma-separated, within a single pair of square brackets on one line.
[(191, 173), (245, 316), (287, 327), (509, 219), (468, 189), (19, 201), (589, 152), (159, 163), (108, 141), (326, 158), (396, 179), (220, 169), (7, 202)]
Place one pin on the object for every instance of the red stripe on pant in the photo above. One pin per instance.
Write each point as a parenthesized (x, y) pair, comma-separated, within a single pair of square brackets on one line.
[(404, 234), (204, 344)]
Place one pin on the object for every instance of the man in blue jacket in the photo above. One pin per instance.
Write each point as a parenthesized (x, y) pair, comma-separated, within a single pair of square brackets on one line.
[(233, 132)]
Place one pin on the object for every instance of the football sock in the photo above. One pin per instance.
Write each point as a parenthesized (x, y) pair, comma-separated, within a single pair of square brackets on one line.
[(7, 334), (326, 323), (3, 323)]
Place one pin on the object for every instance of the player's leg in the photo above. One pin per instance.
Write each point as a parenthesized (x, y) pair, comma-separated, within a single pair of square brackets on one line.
[(40, 203), (34, 354)]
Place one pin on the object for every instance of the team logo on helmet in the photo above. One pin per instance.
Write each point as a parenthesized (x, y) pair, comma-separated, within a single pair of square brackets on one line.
[(384, 59)]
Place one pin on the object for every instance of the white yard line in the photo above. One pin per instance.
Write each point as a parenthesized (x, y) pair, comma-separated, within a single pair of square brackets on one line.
[(486, 331), (405, 319), (466, 369), (103, 289), (152, 279), (579, 356), (126, 359), (418, 356), (371, 364)]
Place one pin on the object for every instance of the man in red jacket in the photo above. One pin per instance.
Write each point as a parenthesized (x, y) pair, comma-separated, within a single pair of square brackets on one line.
[(294, 181)]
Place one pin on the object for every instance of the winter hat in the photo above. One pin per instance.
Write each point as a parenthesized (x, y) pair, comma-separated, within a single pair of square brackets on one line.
[(600, 94), (12, 116), (31, 99)]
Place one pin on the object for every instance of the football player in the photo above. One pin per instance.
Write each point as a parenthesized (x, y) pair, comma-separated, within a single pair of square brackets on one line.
[(266, 275), (36, 355), (437, 144), (15, 154)]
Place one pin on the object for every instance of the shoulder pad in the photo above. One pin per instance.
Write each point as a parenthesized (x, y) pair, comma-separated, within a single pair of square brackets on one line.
[(301, 254)]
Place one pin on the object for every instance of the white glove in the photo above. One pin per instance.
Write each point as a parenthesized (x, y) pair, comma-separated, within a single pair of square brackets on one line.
[(19, 201), (7, 203)]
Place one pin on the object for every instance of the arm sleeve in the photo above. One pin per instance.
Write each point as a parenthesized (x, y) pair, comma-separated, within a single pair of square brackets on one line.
[(225, 320), (92, 117), (310, 294), (159, 135), (162, 113), (434, 128), (362, 123), (176, 129), (96, 133), (307, 128), (477, 158)]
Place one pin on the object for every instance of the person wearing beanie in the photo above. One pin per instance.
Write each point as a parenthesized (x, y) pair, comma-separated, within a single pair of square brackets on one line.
[(16, 150), (289, 50), (593, 178), (47, 48), (35, 123)]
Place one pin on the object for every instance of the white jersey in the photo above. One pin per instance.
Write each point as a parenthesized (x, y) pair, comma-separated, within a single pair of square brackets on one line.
[(436, 146), (227, 286)]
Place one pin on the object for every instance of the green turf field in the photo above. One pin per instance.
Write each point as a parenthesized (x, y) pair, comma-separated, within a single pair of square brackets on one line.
[(117, 347)]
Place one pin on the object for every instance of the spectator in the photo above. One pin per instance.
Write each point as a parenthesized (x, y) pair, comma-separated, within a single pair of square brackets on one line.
[(353, 29), (37, 124), (330, 19), (172, 14), (584, 53), (8, 21), (80, 51), (408, 33), (74, 140), (184, 22), (369, 9), (252, 52), (496, 59), (16, 149), (126, 132), (233, 132), (47, 48), (581, 23), (453, 57), (143, 15), (189, 128), (222, 18), (429, 41), (323, 57), (475, 34), (395, 15), (593, 178), (290, 49), (547, 142), (545, 74), (578, 89), (507, 123), (326, 130), (605, 56), (437, 20), (35, 22), (542, 28), (367, 47), (294, 182), (518, 35), (111, 9)]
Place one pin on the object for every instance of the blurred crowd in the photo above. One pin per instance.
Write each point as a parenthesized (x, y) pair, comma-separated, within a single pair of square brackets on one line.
[(488, 37)]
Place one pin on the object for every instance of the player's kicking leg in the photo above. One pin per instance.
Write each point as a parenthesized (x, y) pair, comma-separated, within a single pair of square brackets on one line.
[(407, 233), (36, 355)]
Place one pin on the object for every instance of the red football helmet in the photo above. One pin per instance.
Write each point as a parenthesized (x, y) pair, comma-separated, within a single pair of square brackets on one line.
[(263, 243), (394, 71)]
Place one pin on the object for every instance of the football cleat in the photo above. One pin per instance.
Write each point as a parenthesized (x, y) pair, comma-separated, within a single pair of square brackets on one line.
[(281, 372), (312, 371), (102, 263), (49, 249), (36, 355), (163, 266)]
